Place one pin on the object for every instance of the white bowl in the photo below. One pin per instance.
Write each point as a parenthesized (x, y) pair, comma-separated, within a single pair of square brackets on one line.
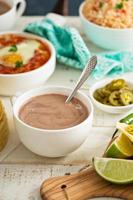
[(108, 108), (52, 143), (11, 84), (108, 38)]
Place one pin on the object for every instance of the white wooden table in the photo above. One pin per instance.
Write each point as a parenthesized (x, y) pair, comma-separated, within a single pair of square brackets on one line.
[(21, 171)]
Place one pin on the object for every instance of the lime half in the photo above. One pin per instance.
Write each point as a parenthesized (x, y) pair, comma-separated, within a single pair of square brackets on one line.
[(118, 171), (126, 129), (121, 147)]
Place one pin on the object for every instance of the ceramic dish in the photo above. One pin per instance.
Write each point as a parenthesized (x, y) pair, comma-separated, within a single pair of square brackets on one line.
[(52, 143), (108, 108), (108, 38), (10, 84), (8, 19)]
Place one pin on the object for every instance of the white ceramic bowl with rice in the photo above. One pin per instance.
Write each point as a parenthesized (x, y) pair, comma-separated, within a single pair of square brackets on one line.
[(106, 37)]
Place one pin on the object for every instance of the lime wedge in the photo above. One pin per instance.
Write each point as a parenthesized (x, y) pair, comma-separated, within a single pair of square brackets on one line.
[(126, 129), (121, 147), (118, 171)]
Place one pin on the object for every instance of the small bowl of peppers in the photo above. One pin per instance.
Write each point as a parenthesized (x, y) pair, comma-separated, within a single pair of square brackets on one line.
[(113, 95)]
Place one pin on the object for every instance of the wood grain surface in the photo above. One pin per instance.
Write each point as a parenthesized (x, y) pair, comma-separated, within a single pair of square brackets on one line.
[(82, 186)]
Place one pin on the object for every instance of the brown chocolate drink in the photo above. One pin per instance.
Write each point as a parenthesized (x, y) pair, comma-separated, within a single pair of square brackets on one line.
[(4, 7), (49, 111)]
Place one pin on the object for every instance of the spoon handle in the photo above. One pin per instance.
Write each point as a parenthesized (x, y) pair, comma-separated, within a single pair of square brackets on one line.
[(85, 74)]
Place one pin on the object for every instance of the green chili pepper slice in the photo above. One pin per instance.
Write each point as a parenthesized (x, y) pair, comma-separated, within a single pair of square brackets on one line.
[(116, 84), (114, 98), (126, 97), (105, 92), (115, 93), (106, 101), (97, 96), (100, 92)]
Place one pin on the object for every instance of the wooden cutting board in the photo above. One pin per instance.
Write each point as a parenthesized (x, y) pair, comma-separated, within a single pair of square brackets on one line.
[(82, 186)]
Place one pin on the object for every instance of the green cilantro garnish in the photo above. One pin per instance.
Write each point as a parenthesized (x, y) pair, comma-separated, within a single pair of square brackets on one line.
[(119, 5), (101, 4), (19, 64), (13, 48)]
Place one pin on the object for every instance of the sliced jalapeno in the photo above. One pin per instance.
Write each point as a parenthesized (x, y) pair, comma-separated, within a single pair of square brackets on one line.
[(114, 98), (106, 101), (97, 96), (100, 92), (116, 84), (126, 97), (105, 92), (116, 93)]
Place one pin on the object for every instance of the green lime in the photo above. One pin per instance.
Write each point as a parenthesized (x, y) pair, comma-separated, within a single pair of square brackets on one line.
[(121, 147), (117, 171)]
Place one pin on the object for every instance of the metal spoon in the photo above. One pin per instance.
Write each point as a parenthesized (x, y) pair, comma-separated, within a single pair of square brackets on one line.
[(85, 74)]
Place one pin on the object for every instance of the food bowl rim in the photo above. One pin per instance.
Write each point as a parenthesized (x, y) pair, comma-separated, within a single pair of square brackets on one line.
[(56, 87), (50, 46), (99, 26), (103, 83)]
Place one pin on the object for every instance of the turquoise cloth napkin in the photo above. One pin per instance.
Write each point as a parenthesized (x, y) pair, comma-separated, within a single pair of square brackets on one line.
[(115, 63), (72, 51), (70, 47)]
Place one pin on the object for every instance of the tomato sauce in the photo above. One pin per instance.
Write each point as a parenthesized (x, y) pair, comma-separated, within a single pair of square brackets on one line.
[(41, 55)]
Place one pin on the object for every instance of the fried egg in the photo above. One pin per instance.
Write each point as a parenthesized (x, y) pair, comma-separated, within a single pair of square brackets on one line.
[(21, 53)]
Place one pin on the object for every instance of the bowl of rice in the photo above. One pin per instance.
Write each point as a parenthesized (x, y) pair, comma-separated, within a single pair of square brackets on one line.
[(108, 23)]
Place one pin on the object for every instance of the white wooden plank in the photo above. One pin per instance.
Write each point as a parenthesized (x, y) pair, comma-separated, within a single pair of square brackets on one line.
[(102, 119), (64, 76), (22, 182)]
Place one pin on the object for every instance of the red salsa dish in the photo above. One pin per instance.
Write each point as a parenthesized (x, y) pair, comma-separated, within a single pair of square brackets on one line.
[(19, 54)]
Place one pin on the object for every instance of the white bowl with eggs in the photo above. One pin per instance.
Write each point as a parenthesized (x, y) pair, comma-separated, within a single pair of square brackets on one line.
[(52, 143), (108, 108), (105, 37), (10, 84)]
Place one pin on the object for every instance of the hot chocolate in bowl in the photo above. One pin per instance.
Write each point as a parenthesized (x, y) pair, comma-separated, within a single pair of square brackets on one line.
[(49, 111), (50, 127), (4, 7)]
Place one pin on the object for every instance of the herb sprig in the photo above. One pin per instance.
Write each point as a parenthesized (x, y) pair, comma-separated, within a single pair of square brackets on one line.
[(19, 64), (101, 4), (120, 5), (13, 48)]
